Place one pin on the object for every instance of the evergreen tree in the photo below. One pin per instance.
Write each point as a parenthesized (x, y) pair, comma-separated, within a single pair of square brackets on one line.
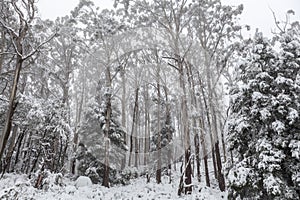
[(264, 131), (166, 136), (92, 136)]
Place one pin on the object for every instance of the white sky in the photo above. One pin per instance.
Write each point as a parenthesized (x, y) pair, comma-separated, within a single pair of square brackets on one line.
[(256, 13), (51, 9)]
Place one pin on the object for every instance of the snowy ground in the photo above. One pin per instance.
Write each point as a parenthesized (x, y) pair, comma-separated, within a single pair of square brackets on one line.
[(19, 187)]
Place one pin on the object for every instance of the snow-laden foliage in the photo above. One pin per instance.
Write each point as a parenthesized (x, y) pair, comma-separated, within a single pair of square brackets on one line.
[(161, 142), (45, 126), (91, 155), (264, 129)]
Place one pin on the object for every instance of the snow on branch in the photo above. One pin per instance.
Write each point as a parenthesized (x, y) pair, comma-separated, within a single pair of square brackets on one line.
[(9, 29), (39, 46)]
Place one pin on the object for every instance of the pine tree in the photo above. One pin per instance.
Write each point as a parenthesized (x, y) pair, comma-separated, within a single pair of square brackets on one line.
[(264, 130)]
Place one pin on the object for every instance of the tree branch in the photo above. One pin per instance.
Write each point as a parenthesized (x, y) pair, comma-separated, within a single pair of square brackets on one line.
[(173, 66), (39, 46), (9, 29), (276, 22)]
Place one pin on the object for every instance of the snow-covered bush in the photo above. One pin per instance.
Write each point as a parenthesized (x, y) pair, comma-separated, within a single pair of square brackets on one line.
[(92, 167), (264, 129)]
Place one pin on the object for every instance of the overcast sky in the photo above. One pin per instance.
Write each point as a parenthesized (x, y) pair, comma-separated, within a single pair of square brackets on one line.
[(50, 9), (257, 13)]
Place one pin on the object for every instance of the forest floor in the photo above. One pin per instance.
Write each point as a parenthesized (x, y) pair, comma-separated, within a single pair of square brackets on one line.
[(19, 187)]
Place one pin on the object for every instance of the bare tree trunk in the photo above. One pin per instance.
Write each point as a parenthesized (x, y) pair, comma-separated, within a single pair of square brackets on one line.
[(197, 149), (12, 104), (75, 143), (158, 145), (123, 102), (206, 108), (197, 154), (147, 124), (77, 123), (136, 140), (222, 138), (169, 134), (221, 178), (145, 138), (107, 126), (136, 145), (130, 146), (27, 153), (185, 125), (18, 144), (179, 128), (212, 109), (202, 136), (219, 164), (106, 165), (11, 148), (133, 124), (195, 127), (204, 152)]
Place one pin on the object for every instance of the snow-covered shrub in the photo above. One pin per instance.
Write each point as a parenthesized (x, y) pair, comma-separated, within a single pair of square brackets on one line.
[(90, 166), (264, 129)]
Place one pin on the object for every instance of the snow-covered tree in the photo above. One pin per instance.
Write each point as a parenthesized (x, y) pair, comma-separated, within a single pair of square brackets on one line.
[(43, 136), (162, 140), (25, 45), (92, 135), (264, 131)]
